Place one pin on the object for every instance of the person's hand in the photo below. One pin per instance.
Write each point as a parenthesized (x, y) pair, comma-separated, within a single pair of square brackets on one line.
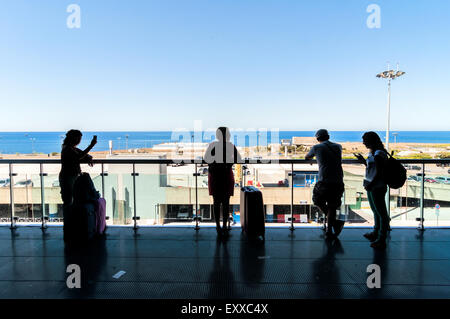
[(360, 158), (90, 161)]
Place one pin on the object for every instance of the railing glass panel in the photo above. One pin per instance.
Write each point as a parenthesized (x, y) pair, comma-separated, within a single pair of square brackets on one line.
[(304, 178), (405, 202), (118, 192), (355, 208), (437, 195), (167, 194), (26, 193), (5, 208), (52, 193)]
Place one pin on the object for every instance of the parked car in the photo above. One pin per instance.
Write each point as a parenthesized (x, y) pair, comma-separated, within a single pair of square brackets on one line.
[(203, 171), (412, 167), (430, 180), (24, 183), (415, 178), (4, 182), (443, 180), (183, 215)]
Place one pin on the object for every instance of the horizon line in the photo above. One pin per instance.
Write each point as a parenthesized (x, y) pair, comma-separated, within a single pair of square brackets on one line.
[(191, 130)]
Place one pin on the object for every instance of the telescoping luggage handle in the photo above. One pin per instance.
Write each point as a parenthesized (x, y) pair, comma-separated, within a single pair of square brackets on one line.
[(249, 189)]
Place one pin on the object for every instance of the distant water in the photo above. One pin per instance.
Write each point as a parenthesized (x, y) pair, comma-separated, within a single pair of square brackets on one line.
[(48, 142)]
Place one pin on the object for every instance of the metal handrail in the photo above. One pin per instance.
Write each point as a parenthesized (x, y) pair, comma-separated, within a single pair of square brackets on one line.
[(193, 161)]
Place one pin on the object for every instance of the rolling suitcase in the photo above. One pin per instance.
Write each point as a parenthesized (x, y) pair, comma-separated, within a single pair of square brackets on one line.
[(100, 215), (252, 212)]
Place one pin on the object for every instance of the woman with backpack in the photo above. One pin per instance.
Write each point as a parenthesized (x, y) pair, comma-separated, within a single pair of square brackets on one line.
[(376, 187)]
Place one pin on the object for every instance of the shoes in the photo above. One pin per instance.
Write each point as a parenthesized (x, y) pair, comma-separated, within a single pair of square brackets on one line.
[(338, 226), (379, 244), (372, 236)]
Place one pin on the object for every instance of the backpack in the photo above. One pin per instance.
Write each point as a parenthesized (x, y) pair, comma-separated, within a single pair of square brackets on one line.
[(81, 222), (394, 173)]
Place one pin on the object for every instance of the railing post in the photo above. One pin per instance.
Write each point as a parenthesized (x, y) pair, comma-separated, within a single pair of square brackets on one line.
[(135, 218), (157, 212), (11, 196), (196, 198), (292, 198), (103, 181), (422, 199), (42, 174)]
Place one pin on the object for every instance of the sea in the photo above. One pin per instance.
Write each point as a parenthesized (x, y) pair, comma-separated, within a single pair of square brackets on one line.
[(49, 142)]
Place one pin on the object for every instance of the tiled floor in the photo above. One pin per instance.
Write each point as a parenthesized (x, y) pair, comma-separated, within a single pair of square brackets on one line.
[(182, 263)]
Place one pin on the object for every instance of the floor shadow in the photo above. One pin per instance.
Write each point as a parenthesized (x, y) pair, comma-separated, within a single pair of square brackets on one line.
[(325, 271), (252, 260), (221, 278), (92, 259), (379, 258)]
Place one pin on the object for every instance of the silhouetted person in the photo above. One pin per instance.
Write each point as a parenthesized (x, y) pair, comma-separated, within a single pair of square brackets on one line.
[(329, 188), (220, 155), (376, 187), (71, 157)]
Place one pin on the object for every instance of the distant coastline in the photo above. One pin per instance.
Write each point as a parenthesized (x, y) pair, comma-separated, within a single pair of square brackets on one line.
[(50, 142)]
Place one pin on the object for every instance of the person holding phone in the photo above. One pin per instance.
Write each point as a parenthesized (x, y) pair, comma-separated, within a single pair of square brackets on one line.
[(71, 157), (376, 187)]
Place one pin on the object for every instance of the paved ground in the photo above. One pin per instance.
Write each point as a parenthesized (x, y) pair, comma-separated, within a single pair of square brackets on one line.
[(182, 263)]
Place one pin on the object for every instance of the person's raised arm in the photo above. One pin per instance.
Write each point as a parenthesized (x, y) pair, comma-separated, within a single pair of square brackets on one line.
[(83, 154)]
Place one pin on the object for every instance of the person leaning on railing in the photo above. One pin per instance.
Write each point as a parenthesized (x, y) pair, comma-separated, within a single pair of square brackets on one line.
[(329, 188), (71, 157), (220, 155)]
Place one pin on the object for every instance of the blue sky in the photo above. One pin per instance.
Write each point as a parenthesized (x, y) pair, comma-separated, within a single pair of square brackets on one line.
[(160, 65)]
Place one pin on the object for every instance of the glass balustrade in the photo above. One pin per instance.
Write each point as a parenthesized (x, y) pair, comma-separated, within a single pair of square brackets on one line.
[(162, 193)]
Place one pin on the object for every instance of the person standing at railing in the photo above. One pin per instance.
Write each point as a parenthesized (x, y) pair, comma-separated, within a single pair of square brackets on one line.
[(329, 188), (71, 157), (221, 155), (376, 187)]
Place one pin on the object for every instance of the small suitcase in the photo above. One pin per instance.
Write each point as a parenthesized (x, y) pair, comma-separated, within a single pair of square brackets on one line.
[(252, 212)]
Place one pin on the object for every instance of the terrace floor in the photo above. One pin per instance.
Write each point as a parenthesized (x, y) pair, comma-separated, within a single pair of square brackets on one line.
[(182, 263)]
